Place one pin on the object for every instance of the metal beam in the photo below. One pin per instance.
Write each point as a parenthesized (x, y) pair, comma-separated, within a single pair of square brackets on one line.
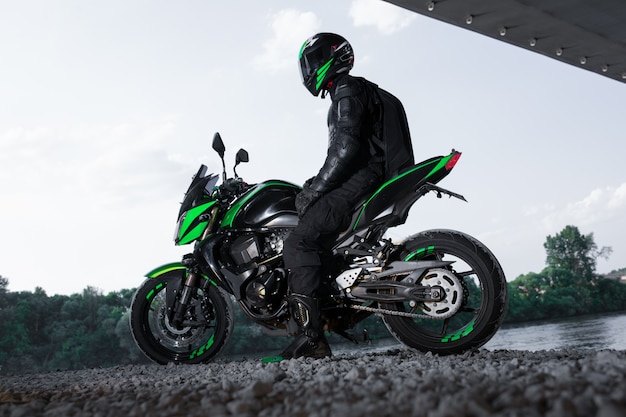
[(589, 34)]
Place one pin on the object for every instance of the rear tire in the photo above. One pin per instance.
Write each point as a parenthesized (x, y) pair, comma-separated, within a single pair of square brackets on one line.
[(209, 310), (482, 283)]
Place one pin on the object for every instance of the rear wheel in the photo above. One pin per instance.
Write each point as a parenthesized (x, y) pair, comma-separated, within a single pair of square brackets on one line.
[(207, 325), (476, 295)]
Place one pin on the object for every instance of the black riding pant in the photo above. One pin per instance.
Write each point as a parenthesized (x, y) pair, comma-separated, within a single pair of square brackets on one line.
[(309, 245)]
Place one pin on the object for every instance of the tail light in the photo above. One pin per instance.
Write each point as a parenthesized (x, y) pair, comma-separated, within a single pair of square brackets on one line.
[(453, 160)]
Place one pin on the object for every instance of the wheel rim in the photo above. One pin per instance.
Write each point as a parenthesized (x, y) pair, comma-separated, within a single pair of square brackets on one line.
[(466, 279), (186, 342), (450, 285)]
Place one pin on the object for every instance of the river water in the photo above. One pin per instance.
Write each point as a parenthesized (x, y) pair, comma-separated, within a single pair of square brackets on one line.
[(606, 331), (597, 332)]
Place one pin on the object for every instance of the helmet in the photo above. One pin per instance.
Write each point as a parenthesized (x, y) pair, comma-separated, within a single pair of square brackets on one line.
[(322, 57)]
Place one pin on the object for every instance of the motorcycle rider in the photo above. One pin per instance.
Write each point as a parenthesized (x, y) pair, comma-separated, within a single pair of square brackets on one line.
[(354, 166)]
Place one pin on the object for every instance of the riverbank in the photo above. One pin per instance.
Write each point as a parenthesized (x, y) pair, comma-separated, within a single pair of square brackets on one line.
[(391, 382)]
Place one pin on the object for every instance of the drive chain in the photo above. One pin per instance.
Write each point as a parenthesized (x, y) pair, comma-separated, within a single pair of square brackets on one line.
[(397, 313)]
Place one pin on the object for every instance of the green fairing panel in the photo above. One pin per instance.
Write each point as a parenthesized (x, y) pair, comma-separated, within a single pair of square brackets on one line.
[(384, 204), (191, 227), (193, 234), (263, 203)]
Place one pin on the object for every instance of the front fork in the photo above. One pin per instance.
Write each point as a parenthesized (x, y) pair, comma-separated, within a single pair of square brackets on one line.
[(187, 290)]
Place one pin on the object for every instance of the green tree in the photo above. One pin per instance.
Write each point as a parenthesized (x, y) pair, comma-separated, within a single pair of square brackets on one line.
[(575, 253), (40, 333), (568, 285), (609, 295), (525, 297), (4, 285)]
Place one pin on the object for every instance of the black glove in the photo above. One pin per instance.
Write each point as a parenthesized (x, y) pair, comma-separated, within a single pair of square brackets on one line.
[(305, 199), (308, 182)]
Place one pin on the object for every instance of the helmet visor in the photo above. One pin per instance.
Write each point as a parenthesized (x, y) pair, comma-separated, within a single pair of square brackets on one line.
[(310, 62)]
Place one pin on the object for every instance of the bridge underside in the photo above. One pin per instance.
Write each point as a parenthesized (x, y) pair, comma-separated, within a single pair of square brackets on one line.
[(589, 34)]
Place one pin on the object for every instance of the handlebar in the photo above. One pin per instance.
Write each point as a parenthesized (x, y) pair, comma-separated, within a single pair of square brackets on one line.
[(232, 184), (232, 187)]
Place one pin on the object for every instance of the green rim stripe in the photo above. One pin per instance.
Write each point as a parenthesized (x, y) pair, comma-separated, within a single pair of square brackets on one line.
[(203, 348), (153, 291), (461, 333)]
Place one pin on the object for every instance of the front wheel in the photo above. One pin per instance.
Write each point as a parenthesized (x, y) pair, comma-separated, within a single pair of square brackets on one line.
[(206, 328), (480, 295)]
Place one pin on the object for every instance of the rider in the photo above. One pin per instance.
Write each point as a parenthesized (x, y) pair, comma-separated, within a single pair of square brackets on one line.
[(354, 166)]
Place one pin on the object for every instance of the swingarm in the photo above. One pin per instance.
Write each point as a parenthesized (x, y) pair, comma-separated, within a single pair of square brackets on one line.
[(397, 283)]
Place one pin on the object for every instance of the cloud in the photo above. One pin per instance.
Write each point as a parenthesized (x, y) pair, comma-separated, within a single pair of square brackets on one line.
[(601, 205), (618, 198), (290, 28), (83, 165), (386, 17), (88, 195)]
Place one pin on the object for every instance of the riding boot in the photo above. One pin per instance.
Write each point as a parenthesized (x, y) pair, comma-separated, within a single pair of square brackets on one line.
[(310, 341)]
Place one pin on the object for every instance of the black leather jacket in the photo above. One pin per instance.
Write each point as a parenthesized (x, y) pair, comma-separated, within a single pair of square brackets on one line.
[(351, 119)]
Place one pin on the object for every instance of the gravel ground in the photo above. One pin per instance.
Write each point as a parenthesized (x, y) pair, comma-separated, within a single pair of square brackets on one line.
[(391, 382)]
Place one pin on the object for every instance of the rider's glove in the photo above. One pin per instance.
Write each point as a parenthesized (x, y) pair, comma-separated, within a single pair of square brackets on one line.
[(308, 182), (305, 199)]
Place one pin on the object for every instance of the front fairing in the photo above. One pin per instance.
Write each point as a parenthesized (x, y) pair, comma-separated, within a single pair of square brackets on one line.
[(196, 208)]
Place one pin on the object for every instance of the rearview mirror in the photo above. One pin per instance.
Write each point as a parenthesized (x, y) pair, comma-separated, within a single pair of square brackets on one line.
[(242, 156), (218, 145)]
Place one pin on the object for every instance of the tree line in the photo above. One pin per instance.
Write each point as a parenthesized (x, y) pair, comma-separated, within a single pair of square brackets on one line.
[(568, 285), (40, 333)]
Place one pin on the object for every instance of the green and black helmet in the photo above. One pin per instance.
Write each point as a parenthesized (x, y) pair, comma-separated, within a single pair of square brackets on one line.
[(322, 57)]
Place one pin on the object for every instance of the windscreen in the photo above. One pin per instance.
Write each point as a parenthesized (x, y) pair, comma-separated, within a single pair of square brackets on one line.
[(201, 186)]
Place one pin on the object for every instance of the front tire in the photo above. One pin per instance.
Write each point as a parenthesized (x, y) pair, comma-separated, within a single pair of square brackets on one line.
[(207, 328), (477, 273)]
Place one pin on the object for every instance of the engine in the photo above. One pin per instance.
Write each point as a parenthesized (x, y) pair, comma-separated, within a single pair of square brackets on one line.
[(265, 292), (261, 253)]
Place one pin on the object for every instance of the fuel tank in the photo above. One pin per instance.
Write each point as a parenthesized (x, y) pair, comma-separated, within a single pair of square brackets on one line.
[(267, 204)]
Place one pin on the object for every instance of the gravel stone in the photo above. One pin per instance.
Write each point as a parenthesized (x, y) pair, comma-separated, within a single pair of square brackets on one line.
[(388, 382)]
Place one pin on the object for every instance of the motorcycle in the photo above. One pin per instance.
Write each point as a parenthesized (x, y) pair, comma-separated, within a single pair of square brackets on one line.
[(439, 291)]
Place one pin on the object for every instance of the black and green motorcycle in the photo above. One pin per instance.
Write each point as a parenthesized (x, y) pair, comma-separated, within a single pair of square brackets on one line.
[(439, 291)]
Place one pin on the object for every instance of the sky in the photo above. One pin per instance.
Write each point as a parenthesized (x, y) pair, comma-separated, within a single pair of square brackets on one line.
[(108, 108)]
